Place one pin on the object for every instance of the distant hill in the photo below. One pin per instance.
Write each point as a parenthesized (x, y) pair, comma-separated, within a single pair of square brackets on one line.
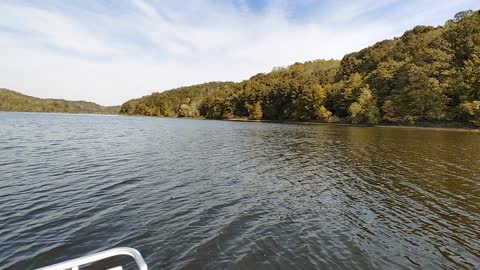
[(429, 74), (12, 101), (182, 102), (190, 101)]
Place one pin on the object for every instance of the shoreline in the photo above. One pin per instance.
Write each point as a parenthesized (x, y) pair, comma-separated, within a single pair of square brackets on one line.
[(423, 125), (455, 126), (63, 113)]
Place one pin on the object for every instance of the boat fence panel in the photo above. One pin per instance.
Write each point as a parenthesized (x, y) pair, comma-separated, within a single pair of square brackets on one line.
[(75, 264)]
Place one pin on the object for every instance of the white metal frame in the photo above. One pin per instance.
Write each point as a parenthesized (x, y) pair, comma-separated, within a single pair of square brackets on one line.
[(75, 264)]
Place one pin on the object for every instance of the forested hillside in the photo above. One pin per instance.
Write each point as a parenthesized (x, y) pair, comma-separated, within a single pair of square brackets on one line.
[(427, 74), (181, 102), (14, 101)]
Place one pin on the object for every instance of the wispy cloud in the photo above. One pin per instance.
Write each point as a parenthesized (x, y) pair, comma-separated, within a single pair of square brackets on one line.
[(112, 51)]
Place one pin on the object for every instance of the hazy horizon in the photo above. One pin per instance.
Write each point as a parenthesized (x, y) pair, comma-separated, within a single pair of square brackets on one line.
[(110, 52)]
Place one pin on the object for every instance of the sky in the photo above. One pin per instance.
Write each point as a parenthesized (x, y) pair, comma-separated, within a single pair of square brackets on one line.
[(110, 51)]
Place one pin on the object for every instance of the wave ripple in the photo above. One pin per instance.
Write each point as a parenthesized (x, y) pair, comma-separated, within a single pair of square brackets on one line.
[(220, 195)]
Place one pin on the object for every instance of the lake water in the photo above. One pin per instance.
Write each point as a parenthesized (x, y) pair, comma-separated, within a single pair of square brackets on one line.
[(193, 194)]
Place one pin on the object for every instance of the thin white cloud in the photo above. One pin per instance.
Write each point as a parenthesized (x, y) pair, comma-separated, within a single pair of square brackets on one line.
[(52, 29), (145, 46)]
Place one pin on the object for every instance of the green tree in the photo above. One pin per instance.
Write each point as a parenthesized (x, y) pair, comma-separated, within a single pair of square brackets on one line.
[(184, 111), (365, 109), (471, 111), (254, 111)]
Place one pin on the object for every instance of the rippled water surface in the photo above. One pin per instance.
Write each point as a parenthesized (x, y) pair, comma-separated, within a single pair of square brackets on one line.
[(192, 194)]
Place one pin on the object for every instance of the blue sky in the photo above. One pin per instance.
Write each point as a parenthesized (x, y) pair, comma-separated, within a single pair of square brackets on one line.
[(113, 50)]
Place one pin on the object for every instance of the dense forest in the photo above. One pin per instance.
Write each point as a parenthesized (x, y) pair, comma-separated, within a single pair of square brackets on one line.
[(14, 101), (429, 74)]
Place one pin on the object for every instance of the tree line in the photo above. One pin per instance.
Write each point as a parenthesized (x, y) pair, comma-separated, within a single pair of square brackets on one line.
[(16, 102), (427, 74)]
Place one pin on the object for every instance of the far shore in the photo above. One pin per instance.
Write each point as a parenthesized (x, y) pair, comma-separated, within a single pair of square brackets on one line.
[(456, 126), (64, 113)]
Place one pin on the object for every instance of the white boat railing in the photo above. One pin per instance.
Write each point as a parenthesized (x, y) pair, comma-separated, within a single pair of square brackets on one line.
[(75, 264)]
